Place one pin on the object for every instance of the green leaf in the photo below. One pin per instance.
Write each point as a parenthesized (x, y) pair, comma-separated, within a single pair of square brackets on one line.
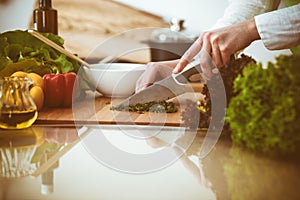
[(4, 61), (66, 65), (265, 113), (19, 66)]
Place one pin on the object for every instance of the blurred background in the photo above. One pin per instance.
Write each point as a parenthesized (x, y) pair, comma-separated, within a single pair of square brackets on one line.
[(84, 24)]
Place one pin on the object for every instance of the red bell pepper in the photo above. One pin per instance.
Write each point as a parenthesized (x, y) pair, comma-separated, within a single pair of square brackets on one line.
[(70, 79), (58, 89)]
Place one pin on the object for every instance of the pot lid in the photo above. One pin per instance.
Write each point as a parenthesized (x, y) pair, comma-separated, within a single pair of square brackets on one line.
[(175, 33)]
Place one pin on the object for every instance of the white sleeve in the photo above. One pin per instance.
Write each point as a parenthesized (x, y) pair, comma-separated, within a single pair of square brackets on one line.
[(280, 29), (242, 10)]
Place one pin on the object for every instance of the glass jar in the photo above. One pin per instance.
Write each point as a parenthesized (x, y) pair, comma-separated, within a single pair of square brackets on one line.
[(17, 108)]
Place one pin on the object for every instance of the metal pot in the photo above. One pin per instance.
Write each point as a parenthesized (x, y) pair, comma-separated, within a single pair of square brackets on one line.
[(160, 51), (169, 43)]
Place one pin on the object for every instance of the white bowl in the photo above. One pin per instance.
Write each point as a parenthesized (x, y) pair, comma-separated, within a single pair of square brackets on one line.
[(115, 79)]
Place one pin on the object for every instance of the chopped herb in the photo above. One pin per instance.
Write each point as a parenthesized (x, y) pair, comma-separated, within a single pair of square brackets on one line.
[(153, 106)]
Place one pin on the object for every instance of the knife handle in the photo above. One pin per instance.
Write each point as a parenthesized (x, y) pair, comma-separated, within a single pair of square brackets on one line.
[(191, 69)]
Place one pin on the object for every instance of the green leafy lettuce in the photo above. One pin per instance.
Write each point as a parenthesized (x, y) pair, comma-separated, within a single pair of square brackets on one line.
[(264, 114), (20, 51)]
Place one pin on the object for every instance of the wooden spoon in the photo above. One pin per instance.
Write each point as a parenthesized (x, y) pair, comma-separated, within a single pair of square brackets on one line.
[(64, 51)]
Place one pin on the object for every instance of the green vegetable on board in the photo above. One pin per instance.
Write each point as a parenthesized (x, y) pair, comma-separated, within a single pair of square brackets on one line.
[(153, 106)]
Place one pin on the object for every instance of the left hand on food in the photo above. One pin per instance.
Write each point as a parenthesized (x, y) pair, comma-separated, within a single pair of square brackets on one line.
[(155, 71)]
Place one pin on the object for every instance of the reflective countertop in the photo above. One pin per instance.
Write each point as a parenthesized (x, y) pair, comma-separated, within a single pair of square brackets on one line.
[(136, 162)]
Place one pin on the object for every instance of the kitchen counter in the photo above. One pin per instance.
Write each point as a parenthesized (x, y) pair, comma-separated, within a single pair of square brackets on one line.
[(86, 24), (56, 161), (89, 153), (68, 154)]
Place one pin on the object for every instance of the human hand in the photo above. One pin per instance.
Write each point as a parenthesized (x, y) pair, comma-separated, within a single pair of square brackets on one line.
[(215, 47), (155, 71)]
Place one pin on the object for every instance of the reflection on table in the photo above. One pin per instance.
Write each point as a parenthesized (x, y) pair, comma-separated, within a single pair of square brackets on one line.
[(58, 162), (34, 152)]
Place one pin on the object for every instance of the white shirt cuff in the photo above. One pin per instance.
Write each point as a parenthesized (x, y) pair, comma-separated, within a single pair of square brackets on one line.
[(279, 29)]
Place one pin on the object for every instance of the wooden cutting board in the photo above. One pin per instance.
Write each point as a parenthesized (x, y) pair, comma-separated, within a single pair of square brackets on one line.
[(97, 110)]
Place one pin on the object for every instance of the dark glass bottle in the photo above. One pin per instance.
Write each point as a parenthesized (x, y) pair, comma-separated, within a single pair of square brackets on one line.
[(45, 18)]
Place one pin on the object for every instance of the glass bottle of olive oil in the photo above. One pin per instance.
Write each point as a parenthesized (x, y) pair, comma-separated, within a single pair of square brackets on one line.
[(45, 18), (17, 108)]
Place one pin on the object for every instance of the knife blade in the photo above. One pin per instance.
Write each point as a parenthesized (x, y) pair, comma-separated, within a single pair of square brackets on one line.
[(167, 88)]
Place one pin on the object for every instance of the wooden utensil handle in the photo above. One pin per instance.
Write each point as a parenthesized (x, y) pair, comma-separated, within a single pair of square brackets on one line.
[(57, 47)]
